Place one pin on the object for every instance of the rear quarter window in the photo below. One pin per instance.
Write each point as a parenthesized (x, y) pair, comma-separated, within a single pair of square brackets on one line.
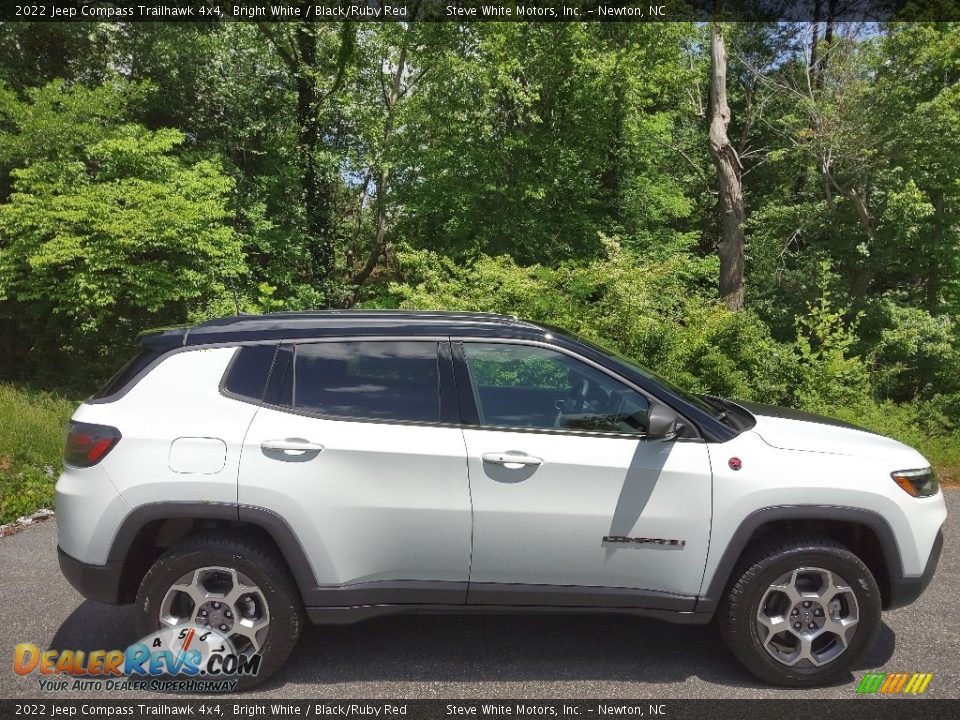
[(126, 376)]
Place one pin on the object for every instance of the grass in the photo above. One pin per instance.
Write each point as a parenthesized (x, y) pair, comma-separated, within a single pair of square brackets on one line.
[(904, 423), (31, 445)]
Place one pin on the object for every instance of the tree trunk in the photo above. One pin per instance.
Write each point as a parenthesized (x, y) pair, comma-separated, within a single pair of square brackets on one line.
[(934, 266), (729, 171), (812, 70), (316, 187)]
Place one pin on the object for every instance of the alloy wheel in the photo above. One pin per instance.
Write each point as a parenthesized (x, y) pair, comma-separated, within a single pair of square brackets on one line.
[(807, 617), (223, 600)]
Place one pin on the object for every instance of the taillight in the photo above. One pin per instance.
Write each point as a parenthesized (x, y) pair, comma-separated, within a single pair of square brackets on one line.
[(87, 444)]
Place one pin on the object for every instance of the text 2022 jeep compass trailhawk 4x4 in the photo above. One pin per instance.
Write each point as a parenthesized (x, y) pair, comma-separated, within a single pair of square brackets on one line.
[(254, 471)]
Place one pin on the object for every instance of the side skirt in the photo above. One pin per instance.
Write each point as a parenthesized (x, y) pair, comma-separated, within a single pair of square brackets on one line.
[(359, 613)]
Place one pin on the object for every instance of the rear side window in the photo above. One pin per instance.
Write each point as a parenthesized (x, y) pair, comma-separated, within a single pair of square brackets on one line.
[(247, 374), (379, 380), (127, 373)]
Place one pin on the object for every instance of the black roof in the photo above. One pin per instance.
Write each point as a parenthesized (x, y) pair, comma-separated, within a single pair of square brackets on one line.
[(321, 323)]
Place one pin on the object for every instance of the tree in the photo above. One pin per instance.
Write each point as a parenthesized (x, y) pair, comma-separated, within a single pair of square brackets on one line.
[(106, 235), (727, 163), (317, 58), (397, 62), (535, 139)]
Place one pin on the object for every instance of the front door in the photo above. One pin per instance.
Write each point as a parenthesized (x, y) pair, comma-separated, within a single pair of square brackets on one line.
[(572, 504)]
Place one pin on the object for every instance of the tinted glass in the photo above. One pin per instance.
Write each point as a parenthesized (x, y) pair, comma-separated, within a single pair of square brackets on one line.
[(127, 373), (695, 400), (531, 387), (383, 380), (247, 374)]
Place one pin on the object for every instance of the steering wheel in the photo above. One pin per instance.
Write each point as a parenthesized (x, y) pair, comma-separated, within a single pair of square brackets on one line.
[(577, 398)]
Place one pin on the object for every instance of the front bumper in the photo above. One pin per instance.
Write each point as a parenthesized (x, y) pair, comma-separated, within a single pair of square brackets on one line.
[(95, 582), (905, 590)]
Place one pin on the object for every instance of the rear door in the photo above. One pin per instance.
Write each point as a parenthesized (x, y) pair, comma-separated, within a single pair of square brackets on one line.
[(573, 505), (359, 450)]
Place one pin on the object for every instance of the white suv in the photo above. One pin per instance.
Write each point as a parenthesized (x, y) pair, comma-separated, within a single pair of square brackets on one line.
[(254, 471)]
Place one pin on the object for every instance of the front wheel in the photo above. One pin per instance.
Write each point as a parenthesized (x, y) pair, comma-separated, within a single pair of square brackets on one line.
[(800, 612), (230, 585)]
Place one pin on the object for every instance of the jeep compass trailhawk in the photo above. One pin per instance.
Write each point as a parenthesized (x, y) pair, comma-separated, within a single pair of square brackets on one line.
[(252, 472)]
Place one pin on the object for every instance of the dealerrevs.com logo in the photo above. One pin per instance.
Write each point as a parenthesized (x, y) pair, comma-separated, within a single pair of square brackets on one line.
[(185, 658), (894, 683)]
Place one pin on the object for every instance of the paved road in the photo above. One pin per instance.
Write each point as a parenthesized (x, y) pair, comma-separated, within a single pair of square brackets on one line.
[(483, 656)]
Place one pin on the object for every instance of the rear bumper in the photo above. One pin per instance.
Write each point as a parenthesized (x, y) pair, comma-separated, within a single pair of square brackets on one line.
[(905, 590), (94, 582)]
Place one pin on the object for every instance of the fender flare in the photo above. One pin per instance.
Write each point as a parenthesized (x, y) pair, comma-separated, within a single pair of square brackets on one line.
[(870, 519), (270, 522)]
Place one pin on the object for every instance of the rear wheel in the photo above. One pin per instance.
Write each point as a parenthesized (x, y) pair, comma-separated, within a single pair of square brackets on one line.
[(230, 585), (799, 613)]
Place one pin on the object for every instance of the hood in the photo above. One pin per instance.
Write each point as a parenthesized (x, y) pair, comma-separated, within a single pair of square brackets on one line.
[(795, 430)]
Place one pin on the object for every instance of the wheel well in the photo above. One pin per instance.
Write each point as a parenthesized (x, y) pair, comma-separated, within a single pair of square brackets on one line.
[(859, 538), (158, 535)]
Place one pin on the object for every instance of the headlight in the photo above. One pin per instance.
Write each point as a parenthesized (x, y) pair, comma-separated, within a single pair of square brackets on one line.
[(918, 483)]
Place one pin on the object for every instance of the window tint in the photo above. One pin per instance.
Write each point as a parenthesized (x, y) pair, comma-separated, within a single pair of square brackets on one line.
[(382, 380), (247, 374), (531, 387), (127, 373)]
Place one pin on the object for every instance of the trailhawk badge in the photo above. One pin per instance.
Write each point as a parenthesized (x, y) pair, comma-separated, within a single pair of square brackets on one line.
[(643, 541)]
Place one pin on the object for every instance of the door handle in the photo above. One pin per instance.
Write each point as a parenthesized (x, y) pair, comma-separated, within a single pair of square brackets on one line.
[(292, 445), (511, 459)]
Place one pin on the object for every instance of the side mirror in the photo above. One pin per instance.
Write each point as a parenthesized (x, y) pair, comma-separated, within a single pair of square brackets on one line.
[(663, 423)]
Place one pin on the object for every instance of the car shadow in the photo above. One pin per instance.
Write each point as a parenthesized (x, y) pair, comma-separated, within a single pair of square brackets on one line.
[(475, 648), (95, 626), (524, 648)]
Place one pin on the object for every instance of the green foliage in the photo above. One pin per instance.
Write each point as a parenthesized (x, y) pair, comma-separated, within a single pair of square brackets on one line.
[(643, 309), (532, 139), (830, 374), (108, 233), (31, 445), (916, 354)]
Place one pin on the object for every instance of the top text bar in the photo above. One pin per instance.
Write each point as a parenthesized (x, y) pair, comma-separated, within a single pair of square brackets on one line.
[(480, 10)]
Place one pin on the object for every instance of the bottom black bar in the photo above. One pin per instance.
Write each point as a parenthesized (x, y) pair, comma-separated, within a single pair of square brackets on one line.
[(876, 708)]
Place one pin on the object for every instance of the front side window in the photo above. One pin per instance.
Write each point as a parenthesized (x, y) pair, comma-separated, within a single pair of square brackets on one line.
[(524, 386), (379, 380)]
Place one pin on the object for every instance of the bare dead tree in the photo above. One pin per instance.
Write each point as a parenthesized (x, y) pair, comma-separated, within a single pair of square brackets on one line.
[(729, 170)]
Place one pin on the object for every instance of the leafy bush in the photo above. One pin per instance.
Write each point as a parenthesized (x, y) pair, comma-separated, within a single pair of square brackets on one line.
[(916, 354), (829, 371), (107, 232), (642, 308)]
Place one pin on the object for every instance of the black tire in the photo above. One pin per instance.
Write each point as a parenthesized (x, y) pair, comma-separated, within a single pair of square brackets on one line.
[(261, 565), (755, 574)]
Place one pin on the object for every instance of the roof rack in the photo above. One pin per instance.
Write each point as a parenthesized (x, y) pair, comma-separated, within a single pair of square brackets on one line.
[(363, 314)]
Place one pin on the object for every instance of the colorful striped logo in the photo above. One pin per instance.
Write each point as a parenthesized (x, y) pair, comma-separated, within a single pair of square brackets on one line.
[(894, 683)]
